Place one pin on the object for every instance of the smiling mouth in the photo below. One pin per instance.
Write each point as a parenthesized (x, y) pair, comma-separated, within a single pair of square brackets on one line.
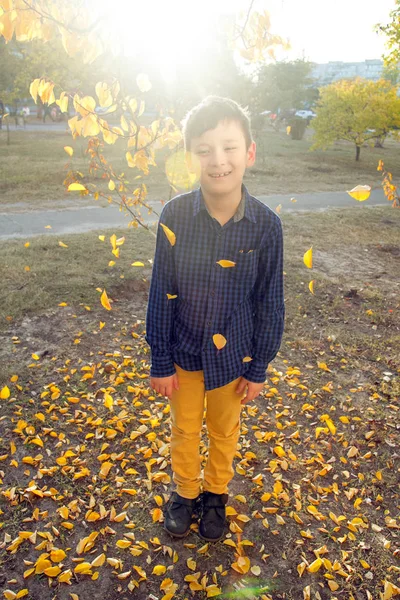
[(220, 175)]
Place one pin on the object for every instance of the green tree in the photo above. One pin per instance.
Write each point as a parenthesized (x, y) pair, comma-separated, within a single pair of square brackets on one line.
[(356, 110), (285, 85)]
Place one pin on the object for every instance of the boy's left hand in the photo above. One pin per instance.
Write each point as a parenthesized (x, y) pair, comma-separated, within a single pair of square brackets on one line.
[(253, 389)]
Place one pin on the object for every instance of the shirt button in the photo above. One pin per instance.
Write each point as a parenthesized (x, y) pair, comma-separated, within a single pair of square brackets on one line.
[(212, 293), (208, 323)]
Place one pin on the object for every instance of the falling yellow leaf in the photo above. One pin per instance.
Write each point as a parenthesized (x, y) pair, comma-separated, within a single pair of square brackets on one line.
[(105, 301), (307, 258), (247, 359), (171, 296), (69, 150), (143, 82), (278, 208), (170, 234), (360, 192), (76, 187), (27, 244), (219, 340), (226, 263)]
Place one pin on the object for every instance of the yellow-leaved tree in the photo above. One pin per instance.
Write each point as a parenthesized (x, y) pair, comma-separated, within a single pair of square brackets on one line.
[(356, 110)]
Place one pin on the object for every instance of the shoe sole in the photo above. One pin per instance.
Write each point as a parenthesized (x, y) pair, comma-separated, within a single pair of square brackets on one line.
[(211, 539), (176, 535)]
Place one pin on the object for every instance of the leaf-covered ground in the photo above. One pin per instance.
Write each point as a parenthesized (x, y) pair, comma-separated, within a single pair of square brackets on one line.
[(314, 504)]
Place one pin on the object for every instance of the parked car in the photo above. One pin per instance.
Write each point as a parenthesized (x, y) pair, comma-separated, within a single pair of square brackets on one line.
[(305, 114)]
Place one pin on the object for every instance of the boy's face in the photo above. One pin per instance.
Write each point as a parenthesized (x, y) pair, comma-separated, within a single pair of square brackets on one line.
[(220, 156)]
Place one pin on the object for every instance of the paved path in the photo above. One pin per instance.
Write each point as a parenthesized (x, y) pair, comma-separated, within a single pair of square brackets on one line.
[(77, 220)]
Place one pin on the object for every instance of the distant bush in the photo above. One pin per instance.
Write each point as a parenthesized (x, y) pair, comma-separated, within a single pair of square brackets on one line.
[(298, 125)]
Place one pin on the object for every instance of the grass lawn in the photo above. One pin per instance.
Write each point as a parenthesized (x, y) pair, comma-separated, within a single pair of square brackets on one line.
[(314, 504), (283, 166)]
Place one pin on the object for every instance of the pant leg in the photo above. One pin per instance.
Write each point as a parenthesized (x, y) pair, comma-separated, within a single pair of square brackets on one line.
[(187, 409), (223, 410)]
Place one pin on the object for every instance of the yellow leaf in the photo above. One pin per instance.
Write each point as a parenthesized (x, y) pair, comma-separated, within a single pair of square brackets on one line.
[(129, 491), (99, 560), (52, 571), (111, 185), (137, 264), (360, 192), (307, 258), (9, 594), (315, 566), (57, 555), (255, 569), (69, 150), (5, 393), (311, 286), (76, 187), (108, 401), (123, 543), (35, 357), (226, 263), (22, 593), (102, 238), (102, 324), (219, 340), (159, 570), (191, 564), (65, 576), (62, 245), (105, 301), (143, 82), (83, 567), (170, 234), (171, 296), (247, 359)]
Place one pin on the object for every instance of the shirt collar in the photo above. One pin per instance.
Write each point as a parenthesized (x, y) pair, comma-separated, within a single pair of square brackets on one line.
[(245, 207)]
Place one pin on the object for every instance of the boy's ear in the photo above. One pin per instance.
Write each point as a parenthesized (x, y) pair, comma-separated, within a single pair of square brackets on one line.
[(251, 154)]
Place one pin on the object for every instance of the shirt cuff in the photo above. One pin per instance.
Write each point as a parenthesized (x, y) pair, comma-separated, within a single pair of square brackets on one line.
[(256, 373), (162, 366)]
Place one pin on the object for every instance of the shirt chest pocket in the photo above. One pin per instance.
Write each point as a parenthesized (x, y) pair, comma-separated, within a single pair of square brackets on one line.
[(246, 268)]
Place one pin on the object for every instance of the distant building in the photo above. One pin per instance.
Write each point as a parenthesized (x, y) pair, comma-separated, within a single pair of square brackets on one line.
[(327, 73)]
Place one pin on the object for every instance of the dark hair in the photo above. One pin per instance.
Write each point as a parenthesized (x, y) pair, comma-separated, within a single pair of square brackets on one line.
[(208, 113)]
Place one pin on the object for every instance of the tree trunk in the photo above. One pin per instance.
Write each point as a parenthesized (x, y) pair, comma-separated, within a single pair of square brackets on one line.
[(358, 149)]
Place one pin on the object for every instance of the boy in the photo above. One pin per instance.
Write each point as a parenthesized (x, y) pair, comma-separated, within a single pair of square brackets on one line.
[(240, 298)]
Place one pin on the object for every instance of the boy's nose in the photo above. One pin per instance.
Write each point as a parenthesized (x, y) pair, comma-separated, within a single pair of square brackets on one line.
[(218, 158)]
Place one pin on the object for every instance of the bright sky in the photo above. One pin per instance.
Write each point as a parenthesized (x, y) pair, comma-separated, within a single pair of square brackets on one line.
[(320, 31), (335, 30)]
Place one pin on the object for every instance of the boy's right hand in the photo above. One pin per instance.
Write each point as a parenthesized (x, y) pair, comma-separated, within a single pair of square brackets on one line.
[(165, 385)]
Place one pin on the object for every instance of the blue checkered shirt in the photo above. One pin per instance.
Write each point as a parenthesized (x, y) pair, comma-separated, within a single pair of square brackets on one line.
[(244, 303)]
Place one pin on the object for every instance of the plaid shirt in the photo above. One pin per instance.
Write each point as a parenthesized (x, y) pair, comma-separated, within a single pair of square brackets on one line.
[(244, 303)]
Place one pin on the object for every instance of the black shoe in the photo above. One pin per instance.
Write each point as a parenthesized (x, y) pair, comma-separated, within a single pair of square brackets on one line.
[(212, 516), (178, 514)]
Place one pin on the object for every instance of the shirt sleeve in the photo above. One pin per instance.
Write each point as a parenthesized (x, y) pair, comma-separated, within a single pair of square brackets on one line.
[(269, 306), (160, 310)]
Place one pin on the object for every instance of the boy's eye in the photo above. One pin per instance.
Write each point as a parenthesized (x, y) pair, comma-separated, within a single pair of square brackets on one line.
[(232, 148), (202, 152)]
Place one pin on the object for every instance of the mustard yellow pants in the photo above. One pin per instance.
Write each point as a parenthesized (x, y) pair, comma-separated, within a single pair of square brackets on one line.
[(223, 410)]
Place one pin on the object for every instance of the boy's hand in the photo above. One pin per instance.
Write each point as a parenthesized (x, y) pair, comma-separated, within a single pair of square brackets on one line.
[(253, 389), (165, 385)]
